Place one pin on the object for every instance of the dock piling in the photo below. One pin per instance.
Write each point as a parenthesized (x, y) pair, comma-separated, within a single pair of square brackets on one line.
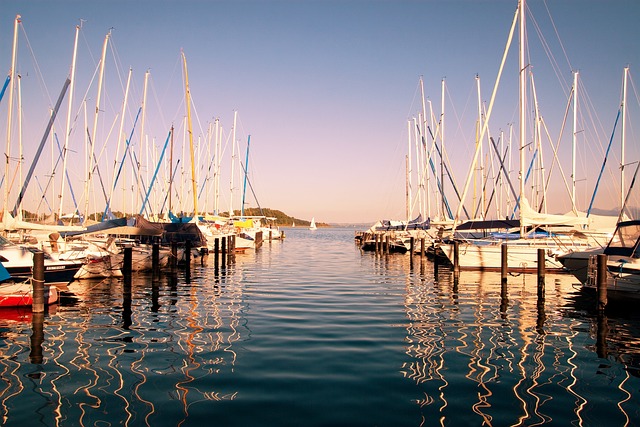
[(38, 283), (541, 271), (504, 266), (456, 257), (127, 265), (601, 284), (174, 256), (155, 262)]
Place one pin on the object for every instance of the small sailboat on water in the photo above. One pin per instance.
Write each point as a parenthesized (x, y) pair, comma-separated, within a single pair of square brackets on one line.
[(312, 226)]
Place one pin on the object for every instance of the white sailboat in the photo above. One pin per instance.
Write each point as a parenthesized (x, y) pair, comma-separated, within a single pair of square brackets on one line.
[(523, 245), (312, 226)]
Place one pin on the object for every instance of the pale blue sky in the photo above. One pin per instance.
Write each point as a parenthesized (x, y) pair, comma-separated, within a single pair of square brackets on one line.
[(324, 88)]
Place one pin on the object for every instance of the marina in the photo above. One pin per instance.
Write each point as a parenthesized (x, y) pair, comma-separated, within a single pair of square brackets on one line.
[(144, 282), (311, 330)]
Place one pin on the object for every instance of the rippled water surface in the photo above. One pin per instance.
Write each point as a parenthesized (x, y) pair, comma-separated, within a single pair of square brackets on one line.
[(310, 331)]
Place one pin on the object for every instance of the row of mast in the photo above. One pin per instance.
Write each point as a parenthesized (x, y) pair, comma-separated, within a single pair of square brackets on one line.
[(91, 137), (418, 129)]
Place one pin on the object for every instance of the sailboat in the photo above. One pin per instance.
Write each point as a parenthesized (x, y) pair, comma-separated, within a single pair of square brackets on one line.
[(523, 244), (312, 226)]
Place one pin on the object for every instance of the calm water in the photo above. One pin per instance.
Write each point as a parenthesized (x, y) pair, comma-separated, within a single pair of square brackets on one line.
[(311, 331)]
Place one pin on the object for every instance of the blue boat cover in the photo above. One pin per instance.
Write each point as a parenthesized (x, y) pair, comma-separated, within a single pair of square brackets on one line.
[(4, 274)]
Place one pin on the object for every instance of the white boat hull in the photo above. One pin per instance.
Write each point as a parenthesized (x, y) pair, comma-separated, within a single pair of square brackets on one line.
[(522, 256)]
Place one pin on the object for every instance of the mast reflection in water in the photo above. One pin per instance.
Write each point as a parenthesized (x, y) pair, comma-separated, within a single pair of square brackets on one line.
[(310, 331)]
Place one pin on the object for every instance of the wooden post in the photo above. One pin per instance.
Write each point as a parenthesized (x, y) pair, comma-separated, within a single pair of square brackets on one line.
[(232, 248), (436, 262), (412, 245), (155, 262), (601, 284), (174, 256), (504, 266), (216, 252), (504, 298), (38, 283), (387, 243), (187, 252), (223, 250), (456, 256), (127, 264), (541, 283), (37, 338), (187, 261), (601, 335), (422, 247), (541, 271)]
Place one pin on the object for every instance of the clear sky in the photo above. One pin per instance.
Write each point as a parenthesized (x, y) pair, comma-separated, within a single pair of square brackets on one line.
[(324, 88)]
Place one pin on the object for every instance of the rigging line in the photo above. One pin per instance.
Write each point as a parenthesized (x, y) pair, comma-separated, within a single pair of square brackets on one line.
[(115, 181), (166, 196), (555, 29), (251, 188), (44, 195), (446, 167), (503, 168), (4, 87), (40, 79), (66, 173), (556, 147), (96, 168), (633, 181), (36, 158), (497, 178), (437, 177), (552, 61), (155, 174), (135, 164), (604, 162), (154, 94)]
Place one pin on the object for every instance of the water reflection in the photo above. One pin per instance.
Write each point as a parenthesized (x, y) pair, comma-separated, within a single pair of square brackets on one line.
[(359, 339), (103, 355), (478, 350)]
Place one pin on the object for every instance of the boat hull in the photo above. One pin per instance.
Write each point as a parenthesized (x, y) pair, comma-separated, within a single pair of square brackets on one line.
[(21, 294), (55, 273), (520, 257), (98, 267)]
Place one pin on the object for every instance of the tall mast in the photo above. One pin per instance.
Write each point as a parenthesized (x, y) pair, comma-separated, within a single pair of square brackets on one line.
[(624, 134), (408, 194), (121, 136), (574, 141), (479, 147), (522, 104), (246, 171), (65, 150), (144, 112), (422, 156), (421, 191), (233, 161), (216, 172), (443, 203), (94, 133), (171, 169), (193, 166), (18, 212), (12, 74)]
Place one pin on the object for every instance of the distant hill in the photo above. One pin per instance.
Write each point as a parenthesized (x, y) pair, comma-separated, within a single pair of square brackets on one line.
[(282, 219)]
